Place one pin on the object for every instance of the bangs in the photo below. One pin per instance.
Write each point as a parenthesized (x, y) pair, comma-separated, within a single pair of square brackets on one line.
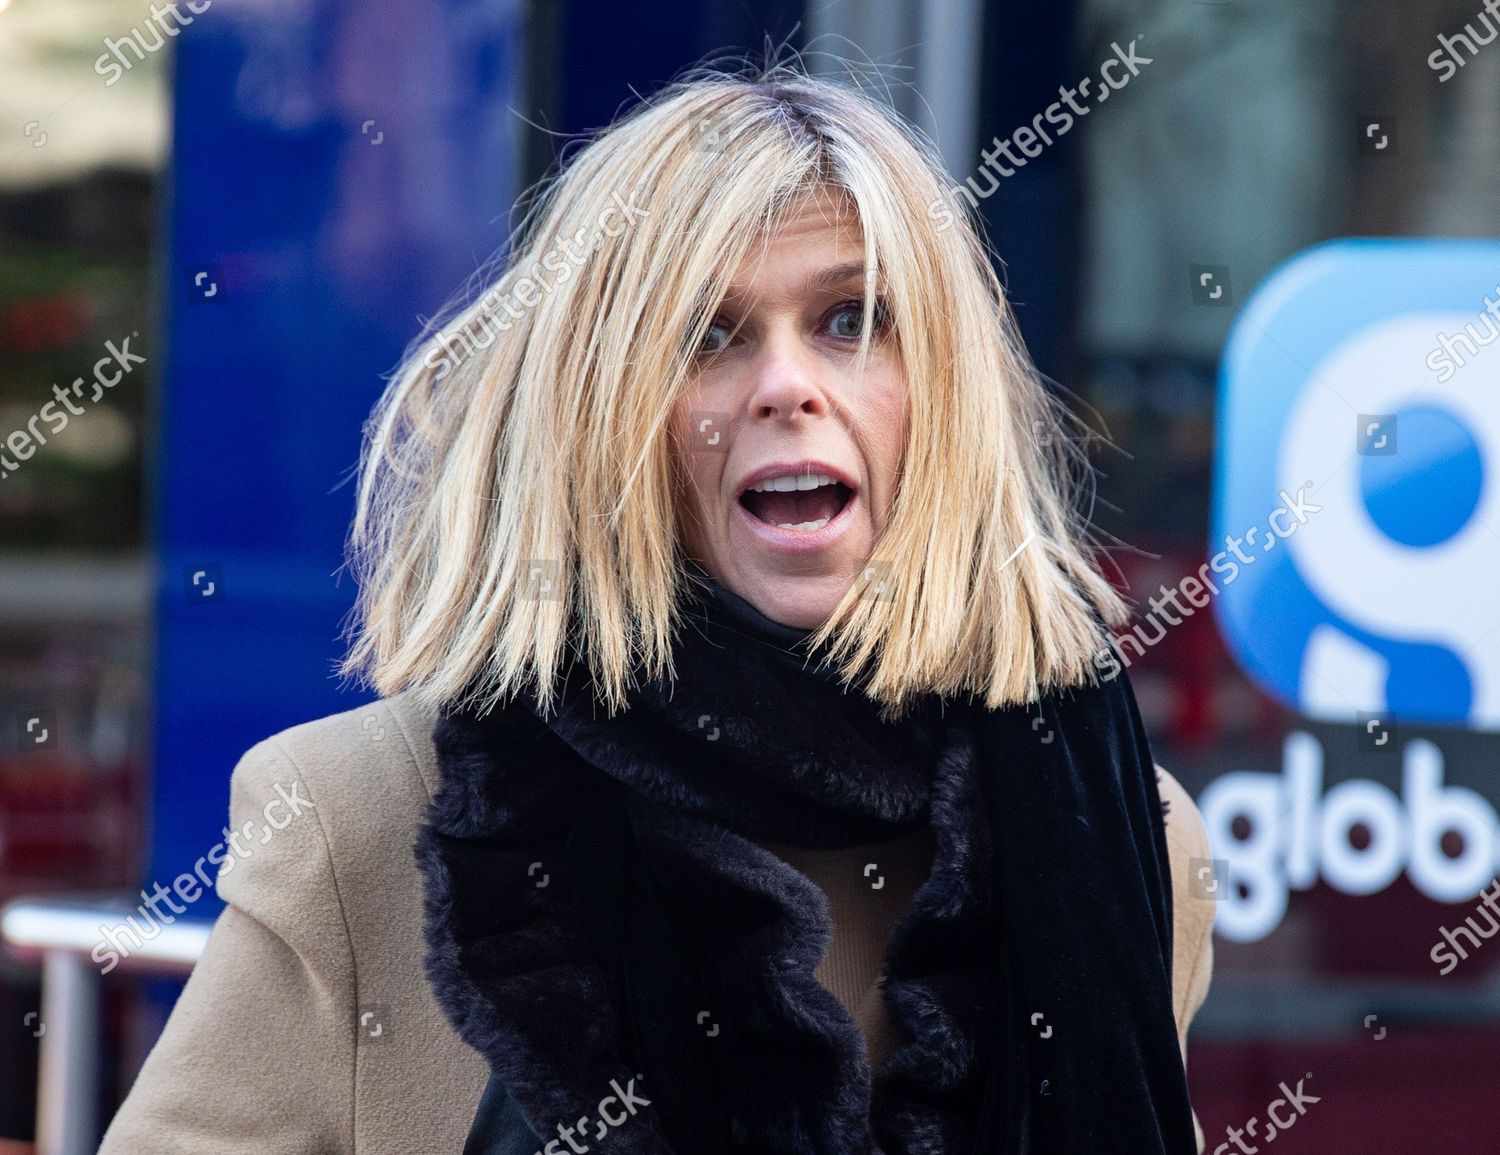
[(772, 216)]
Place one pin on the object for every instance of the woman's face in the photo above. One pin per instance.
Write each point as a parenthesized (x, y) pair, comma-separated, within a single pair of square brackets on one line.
[(791, 458)]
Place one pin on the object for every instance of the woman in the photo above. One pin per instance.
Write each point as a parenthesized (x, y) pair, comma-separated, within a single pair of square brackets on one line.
[(753, 773)]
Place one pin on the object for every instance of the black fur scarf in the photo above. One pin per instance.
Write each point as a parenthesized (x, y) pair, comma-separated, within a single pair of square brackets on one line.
[(639, 974)]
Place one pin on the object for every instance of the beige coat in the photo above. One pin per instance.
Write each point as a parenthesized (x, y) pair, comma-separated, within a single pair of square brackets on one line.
[(308, 1027)]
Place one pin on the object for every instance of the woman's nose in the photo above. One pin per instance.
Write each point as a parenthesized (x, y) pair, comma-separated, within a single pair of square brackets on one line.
[(787, 380)]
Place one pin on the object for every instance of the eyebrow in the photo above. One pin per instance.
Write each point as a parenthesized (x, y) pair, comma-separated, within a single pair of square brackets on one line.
[(836, 275), (819, 280)]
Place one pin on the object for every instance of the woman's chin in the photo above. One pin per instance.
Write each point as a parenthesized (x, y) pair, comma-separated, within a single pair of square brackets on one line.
[(801, 601), (795, 576)]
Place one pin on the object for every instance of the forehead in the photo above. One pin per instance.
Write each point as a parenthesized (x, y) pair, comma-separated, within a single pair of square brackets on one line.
[(817, 238)]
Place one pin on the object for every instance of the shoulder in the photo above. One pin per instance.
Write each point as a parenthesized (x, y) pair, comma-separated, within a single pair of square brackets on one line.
[(1192, 898), (377, 754), (340, 795), (1186, 835), (324, 816)]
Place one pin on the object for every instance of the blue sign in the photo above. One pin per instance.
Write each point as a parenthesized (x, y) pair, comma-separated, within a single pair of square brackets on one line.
[(1364, 378)]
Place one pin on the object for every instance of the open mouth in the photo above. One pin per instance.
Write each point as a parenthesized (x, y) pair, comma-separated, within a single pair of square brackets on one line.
[(804, 501)]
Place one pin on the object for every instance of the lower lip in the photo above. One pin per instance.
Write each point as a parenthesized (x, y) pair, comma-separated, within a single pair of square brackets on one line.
[(800, 540)]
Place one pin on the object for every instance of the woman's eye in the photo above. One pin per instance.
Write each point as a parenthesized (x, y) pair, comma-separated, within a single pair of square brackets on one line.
[(847, 321), (715, 339)]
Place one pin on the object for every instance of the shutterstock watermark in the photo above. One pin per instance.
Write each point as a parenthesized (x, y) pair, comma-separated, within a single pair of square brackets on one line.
[(164, 23), (1283, 1114), (1115, 73), (1228, 564), (565, 256), (626, 1101), (23, 442), (1447, 358), (117, 942), (1468, 929), (1447, 58)]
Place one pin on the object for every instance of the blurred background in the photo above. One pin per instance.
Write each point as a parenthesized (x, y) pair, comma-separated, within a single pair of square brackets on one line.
[(1253, 248)]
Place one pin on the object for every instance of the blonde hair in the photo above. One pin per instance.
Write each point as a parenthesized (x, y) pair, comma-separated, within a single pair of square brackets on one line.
[(534, 443)]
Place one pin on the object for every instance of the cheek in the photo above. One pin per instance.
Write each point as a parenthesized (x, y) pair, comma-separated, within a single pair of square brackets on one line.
[(696, 426), (888, 423), (694, 473)]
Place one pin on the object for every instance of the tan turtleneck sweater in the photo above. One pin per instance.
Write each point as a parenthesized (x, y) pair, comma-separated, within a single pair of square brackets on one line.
[(868, 888), (863, 914)]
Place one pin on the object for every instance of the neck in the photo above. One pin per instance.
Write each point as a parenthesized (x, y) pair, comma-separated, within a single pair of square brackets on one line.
[(733, 611)]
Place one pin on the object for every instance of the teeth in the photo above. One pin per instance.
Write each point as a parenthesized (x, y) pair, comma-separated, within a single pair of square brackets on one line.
[(792, 481), (806, 525)]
